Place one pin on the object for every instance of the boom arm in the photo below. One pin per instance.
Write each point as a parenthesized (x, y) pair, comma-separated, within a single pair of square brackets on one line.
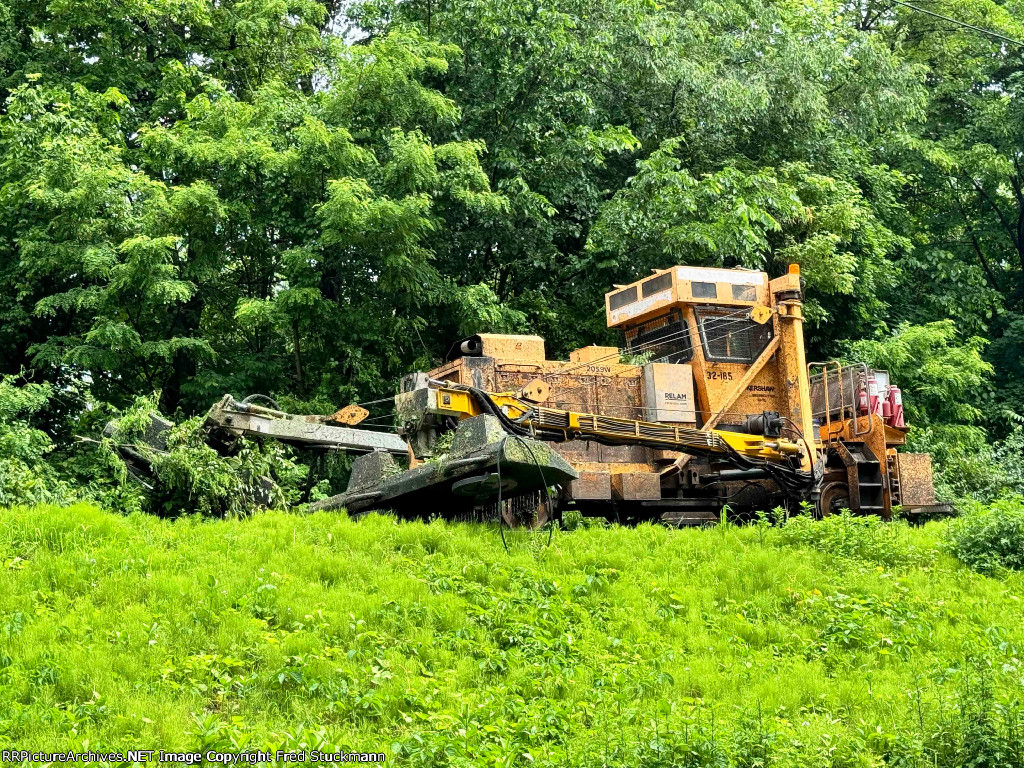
[(556, 425), (233, 419)]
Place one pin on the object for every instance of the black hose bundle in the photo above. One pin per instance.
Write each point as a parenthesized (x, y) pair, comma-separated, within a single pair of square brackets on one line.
[(793, 482)]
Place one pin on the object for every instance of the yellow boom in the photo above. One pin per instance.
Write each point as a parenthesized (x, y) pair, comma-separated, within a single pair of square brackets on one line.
[(463, 402)]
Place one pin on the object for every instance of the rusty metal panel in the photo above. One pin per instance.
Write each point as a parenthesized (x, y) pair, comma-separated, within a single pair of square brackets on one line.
[(475, 371), (895, 435), (591, 486), (593, 384), (668, 389), (594, 354), (447, 372), (612, 466), (636, 486), (601, 386), (569, 392), (766, 392), (915, 474)]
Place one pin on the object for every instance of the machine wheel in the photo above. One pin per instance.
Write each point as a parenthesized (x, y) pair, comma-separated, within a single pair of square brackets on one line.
[(528, 512), (483, 486), (834, 497)]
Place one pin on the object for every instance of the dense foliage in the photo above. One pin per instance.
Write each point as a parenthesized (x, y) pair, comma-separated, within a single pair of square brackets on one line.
[(308, 199), (989, 538), (860, 538), (629, 647), (26, 476), (187, 475)]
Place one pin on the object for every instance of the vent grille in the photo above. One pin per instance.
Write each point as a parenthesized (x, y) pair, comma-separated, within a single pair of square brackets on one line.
[(727, 338), (665, 339)]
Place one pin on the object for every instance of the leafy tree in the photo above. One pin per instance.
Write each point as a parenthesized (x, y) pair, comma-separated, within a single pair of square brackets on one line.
[(253, 245), (758, 218), (26, 476), (966, 198), (939, 374), (595, 109), (308, 199)]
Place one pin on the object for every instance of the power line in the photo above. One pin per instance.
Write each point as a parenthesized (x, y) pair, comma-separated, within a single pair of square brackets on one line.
[(959, 23)]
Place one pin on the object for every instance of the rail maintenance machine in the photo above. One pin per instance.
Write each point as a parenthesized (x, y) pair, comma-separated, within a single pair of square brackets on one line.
[(711, 404)]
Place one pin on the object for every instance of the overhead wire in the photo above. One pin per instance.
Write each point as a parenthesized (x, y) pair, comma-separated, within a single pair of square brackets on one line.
[(611, 406), (639, 349), (376, 402), (501, 517), (547, 488), (789, 479), (799, 433), (959, 23), (517, 429), (487, 405), (364, 425), (659, 342), (648, 345), (378, 418)]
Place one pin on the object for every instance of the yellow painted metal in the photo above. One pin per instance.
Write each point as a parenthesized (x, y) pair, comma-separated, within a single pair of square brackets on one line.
[(792, 358), (537, 391), (594, 354), (580, 426), (350, 414), (512, 347), (652, 296), (726, 389), (724, 405)]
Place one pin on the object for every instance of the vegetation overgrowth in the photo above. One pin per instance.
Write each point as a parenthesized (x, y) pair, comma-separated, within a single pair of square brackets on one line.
[(989, 539), (310, 199), (848, 643)]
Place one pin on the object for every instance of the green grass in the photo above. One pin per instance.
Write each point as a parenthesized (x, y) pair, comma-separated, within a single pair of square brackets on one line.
[(828, 645)]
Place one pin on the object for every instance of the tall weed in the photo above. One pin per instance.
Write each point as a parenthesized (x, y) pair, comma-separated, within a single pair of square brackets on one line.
[(869, 539), (989, 538)]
